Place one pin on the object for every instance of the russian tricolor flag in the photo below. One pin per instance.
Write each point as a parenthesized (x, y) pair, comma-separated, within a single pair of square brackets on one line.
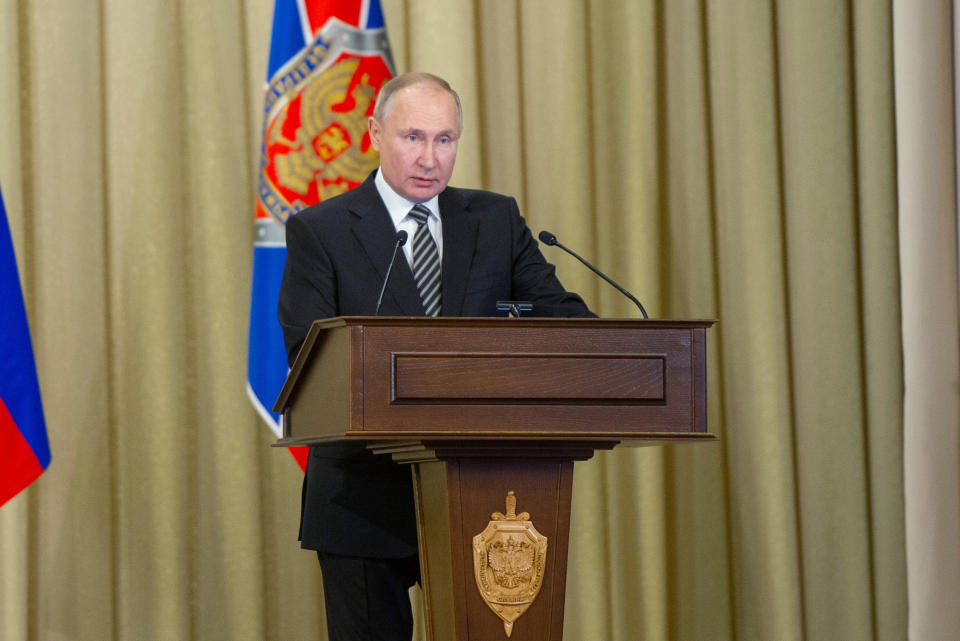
[(24, 450)]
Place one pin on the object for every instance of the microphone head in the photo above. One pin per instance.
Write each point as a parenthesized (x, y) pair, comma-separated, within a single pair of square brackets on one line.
[(401, 238), (547, 238)]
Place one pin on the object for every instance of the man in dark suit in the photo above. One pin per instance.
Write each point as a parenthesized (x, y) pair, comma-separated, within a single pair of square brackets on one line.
[(358, 507)]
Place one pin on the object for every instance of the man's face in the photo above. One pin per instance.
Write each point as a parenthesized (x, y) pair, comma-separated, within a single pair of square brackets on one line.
[(417, 141)]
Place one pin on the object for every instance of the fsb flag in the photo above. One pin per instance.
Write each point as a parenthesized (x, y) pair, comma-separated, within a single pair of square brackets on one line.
[(328, 60), (24, 450)]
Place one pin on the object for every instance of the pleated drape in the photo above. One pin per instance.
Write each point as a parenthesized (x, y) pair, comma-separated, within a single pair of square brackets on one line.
[(927, 148), (728, 159)]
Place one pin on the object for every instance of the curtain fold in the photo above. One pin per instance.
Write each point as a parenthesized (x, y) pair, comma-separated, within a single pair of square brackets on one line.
[(732, 160), (926, 97)]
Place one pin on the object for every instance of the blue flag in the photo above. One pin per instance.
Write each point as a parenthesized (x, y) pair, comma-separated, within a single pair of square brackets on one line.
[(328, 60)]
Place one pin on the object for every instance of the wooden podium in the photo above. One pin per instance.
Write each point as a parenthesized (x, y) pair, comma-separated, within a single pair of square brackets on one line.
[(491, 413)]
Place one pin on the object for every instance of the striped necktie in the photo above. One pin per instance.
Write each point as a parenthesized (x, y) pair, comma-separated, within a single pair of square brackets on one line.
[(426, 262)]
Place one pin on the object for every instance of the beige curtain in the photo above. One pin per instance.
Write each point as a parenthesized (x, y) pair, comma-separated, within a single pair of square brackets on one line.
[(927, 111), (730, 159)]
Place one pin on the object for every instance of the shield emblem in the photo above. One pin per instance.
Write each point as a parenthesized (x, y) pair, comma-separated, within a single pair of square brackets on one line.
[(509, 558)]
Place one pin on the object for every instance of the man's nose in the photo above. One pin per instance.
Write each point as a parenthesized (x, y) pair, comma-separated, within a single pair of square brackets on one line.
[(428, 155)]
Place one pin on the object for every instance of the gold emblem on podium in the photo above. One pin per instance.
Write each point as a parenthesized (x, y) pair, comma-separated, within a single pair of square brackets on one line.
[(509, 558)]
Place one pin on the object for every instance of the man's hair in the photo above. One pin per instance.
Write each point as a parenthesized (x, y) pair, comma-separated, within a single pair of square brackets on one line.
[(389, 89)]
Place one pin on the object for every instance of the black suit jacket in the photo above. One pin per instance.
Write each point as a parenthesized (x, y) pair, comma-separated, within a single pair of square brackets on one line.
[(356, 503)]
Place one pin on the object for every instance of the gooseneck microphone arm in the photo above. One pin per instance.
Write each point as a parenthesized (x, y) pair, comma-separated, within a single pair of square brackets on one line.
[(549, 239), (399, 241)]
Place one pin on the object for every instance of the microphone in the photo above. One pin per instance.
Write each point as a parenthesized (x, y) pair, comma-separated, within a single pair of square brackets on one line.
[(549, 239), (399, 241)]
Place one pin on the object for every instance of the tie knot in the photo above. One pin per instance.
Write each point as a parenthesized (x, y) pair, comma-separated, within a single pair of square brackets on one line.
[(420, 214)]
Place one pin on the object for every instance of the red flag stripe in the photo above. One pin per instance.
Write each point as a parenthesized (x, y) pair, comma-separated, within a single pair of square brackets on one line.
[(20, 465)]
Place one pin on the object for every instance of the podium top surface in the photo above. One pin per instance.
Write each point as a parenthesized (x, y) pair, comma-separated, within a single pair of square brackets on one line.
[(528, 321)]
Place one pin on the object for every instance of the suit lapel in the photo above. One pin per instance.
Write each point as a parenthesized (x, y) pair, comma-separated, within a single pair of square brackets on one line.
[(459, 244), (374, 231)]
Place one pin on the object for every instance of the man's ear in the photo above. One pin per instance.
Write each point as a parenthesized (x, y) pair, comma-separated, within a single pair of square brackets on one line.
[(374, 129)]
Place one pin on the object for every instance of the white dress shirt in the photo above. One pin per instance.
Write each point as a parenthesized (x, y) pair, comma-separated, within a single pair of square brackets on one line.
[(399, 209)]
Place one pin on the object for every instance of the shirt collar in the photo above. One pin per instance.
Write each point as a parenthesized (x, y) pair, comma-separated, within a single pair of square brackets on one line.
[(397, 205)]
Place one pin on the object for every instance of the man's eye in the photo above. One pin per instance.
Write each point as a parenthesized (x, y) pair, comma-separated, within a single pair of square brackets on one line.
[(444, 140), (412, 137)]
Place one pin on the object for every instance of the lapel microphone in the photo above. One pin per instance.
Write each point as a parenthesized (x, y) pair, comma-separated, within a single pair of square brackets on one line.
[(549, 239), (399, 241)]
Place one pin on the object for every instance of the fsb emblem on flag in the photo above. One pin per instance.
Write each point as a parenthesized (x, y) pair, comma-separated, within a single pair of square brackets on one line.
[(328, 60)]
